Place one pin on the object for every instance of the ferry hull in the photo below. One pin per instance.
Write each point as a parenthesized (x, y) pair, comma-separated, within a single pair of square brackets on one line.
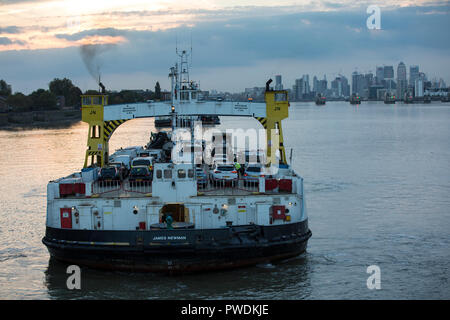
[(199, 250)]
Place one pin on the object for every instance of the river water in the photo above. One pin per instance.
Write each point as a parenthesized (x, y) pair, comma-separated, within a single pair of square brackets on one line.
[(377, 185)]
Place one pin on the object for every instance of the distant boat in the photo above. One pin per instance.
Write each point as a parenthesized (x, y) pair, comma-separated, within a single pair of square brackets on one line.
[(445, 98), (320, 100), (209, 120), (389, 98), (408, 98), (163, 122), (355, 99)]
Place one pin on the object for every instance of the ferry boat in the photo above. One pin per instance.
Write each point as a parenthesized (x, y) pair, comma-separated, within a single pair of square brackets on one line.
[(163, 122), (355, 99), (320, 100), (389, 98), (408, 97), (140, 210), (427, 99)]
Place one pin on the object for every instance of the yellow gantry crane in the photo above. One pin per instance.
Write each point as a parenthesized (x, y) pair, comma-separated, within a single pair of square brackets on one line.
[(103, 119)]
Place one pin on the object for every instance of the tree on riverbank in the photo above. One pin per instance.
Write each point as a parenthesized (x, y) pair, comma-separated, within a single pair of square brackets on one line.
[(65, 87), (5, 89)]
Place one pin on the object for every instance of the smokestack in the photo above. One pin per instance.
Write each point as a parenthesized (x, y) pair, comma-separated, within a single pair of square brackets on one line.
[(267, 84), (102, 86)]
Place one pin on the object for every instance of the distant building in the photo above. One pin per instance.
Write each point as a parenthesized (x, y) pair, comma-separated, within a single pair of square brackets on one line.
[(402, 84), (373, 91), (379, 75), (340, 87), (278, 84), (419, 87), (166, 96), (361, 83), (388, 72), (413, 75), (257, 93)]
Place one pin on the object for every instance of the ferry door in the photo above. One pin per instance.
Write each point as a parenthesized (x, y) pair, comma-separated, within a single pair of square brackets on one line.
[(205, 219), (85, 217), (242, 211), (194, 213), (108, 223), (152, 214), (262, 213)]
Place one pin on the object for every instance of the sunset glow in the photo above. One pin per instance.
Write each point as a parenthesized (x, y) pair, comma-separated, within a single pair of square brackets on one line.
[(40, 24)]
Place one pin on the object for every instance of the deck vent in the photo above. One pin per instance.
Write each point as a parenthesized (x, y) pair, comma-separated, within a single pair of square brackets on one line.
[(231, 201), (117, 203)]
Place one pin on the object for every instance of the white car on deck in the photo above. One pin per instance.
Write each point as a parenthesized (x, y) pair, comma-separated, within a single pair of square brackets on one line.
[(252, 173), (223, 173)]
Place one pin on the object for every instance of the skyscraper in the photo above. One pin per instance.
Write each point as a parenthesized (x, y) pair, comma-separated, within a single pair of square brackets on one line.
[(413, 75), (278, 84), (388, 72), (402, 84), (359, 84), (380, 75)]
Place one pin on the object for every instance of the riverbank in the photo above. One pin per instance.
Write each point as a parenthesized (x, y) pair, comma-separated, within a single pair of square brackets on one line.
[(39, 119)]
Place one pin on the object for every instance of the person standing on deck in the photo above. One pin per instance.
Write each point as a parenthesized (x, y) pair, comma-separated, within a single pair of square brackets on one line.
[(237, 166)]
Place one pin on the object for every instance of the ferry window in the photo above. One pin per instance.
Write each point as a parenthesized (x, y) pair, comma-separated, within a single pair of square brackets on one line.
[(190, 173), (158, 174), (96, 100), (86, 101), (280, 96), (141, 162), (167, 174), (181, 173), (95, 133), (194, 95)]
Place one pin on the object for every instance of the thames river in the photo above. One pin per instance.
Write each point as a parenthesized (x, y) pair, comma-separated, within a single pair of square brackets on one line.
[(377, 186)]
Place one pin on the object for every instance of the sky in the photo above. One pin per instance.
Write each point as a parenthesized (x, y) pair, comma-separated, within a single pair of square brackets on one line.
[(235, 44)]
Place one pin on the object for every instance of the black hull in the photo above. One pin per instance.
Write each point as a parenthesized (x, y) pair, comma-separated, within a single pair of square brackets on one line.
[(200, 250)]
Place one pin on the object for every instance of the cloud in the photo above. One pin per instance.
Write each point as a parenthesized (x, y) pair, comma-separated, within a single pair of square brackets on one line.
[(8, 41), (10, 30), (92, 32), (237, 51)]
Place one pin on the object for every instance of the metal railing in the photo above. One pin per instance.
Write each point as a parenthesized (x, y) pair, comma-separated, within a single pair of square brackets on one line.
[(228, 187), (121, 188)]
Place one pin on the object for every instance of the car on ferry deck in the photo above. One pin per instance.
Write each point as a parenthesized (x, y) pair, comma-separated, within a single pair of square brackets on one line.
[(109, 174), (223, 173), (123, 170), (143, 161), (252, 173), (140, 174)]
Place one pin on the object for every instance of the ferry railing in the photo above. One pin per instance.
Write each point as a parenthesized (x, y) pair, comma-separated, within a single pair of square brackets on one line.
[(143, 187), (245, 187), (229, 187), (102, 187), (118, 188)]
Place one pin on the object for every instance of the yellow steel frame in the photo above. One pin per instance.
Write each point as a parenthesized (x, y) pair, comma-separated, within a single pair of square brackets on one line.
[(100, 131)]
